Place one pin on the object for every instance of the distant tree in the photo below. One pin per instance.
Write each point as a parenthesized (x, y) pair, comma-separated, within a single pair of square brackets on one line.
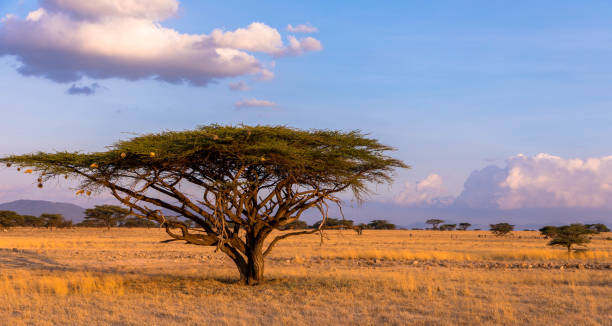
[(33, 221), (434, 223), (334, 223), (549, 231), (297, 225), (501, 229), (448, 227), (137, 222), (569, 235), (9, 219), (381, 225), (598, 228), (105, 215), (464, 226), (53, 220)]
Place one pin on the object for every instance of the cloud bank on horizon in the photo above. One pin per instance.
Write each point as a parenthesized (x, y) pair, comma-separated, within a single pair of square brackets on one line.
[(68, 40), (540, 181)]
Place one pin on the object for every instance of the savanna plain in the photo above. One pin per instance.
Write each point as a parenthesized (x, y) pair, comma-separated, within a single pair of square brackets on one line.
[(92, 276)]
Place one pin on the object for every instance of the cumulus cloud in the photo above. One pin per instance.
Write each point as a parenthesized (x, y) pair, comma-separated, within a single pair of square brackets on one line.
[(302, 28), (239, 86), (253, 102), (541, 181), (429, 191), (145, 9), (550, 181), (83, 90), (66, 40), (299, 47)]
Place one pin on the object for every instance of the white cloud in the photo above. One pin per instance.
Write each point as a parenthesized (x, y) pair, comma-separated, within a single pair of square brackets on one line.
[(7, 17), (299, 47), (66, 40), (36, 15), (256, 37), (541, 181), (146, 9), (239, 86), (253, 102), (550, 181), (302, 28), (429, 191)]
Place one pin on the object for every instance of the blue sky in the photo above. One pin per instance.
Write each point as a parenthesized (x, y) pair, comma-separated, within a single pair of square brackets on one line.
[(454, 85)]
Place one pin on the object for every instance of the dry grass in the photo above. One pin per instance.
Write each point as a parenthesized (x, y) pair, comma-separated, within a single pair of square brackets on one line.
[(126, 277)]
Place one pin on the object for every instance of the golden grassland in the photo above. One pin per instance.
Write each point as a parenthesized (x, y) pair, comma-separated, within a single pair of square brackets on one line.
[(126, 277)]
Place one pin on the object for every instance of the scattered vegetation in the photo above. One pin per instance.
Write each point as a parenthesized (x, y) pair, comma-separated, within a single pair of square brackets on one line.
[(501, 229), (548, 231), (447, 227), (86, 277)]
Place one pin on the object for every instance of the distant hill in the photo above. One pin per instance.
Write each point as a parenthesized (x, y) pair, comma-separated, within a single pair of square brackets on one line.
[(37, 207)]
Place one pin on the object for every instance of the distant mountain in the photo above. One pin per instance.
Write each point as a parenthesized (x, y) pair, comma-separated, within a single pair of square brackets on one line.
[(37, 207)]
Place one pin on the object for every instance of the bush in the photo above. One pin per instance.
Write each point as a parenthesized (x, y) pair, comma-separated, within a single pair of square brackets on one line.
[(501, 229), (448, 227), (381, 225), (297, 225), (334, 222), (549, 231), (597, 228)]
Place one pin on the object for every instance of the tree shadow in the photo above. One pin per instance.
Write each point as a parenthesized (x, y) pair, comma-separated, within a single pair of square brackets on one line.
[(14, 259)]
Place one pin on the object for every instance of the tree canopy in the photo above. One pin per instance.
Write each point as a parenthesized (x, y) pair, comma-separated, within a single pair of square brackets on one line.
[(105, 215), (434, 222), (501, 229), (226, 179), (570, 235)]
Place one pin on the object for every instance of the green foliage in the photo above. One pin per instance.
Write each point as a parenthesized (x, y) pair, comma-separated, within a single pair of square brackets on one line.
[(135, 222), (434, 222), (569, 235), (501, 229), (309, 156), (549, 231), (55, 220), (10, 219), (104, 215), (598, 228), (448, 227), (297, 225), (463, 226), (381, 225), (334, 222), (33, 221)]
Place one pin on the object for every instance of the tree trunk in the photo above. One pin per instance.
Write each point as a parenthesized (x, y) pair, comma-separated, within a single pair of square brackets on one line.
[(252, 272), (254, 268)]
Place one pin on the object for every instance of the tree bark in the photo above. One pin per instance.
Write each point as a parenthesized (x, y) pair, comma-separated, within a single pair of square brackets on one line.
[(252, 272)]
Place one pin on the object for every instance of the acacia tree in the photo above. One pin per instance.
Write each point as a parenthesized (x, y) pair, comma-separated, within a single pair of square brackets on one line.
[(105, 215), (53, 220), (434, 223), (463, 226), (237, 184), (569, 235), (501, 229)]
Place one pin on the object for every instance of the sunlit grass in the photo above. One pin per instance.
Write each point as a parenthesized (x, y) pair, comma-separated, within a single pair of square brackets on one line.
[(126, 277)]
